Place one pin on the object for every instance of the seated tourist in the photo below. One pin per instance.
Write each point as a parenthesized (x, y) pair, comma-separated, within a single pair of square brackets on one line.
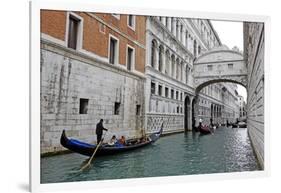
[(143, 139), (112, 141), (122, 140)]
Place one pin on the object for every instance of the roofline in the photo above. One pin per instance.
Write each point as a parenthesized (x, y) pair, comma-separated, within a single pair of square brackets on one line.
[(215, 32)]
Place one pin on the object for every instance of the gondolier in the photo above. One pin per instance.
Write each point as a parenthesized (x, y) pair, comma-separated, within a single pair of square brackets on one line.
[(99, 130)]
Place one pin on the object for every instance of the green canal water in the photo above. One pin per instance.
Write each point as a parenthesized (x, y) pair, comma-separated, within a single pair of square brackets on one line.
[(228, 150)]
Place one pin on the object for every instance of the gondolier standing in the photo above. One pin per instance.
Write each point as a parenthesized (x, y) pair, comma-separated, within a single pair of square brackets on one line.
[(99, 130)]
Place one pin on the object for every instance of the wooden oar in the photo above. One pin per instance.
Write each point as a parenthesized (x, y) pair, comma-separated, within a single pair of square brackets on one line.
[(92, 157)]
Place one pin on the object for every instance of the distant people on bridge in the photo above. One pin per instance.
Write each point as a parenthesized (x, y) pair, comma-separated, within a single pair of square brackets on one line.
[(99, 130)]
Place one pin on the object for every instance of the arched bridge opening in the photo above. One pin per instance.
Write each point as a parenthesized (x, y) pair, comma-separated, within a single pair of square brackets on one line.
[(220, 65)]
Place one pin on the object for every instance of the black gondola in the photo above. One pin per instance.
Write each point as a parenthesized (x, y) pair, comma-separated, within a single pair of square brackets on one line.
[(204, 130), (88, 149)]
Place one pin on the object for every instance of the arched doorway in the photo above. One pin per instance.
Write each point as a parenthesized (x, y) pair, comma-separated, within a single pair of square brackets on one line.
[(193, 114), (186, 113)]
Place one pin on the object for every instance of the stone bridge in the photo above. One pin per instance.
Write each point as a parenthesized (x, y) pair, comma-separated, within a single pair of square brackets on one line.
[(219, 65)]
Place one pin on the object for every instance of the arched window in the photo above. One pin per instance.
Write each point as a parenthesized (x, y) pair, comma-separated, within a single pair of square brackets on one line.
[(167, 62), (178, 29), (181, 32), (195, 48), (173, 65), (177, 69), (182, 71), (186, 39), (172, 24), (187, 74), (160, 59), (153, 53)]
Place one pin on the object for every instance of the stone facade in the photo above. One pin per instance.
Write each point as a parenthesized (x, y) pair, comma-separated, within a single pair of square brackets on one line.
[(173, 44), (254, 53), (135, 72), (219, 103), (80, 86), (242, 108)]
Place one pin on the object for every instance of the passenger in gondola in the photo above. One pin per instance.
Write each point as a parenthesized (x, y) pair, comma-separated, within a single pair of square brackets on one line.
[(122, 140), (143, 139), (112, 141)]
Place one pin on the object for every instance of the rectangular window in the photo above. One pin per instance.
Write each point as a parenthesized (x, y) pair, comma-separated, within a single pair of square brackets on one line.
[(113, 51), (181, 96), (117, 108), (166, 92), (73, 32), (210, 67), (152, 88), (230, 66), (102, 28), (131, 21), (177, 95), (159, 90), (83, 106), (130, 58), (172, 94), (138, 110), (117, 16)]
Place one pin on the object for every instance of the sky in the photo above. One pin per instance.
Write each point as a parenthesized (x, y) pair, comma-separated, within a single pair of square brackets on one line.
[(231, 34)]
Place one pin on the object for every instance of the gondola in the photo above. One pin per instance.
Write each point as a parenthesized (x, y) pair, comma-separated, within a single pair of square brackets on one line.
[(105, 149), (204, 130)]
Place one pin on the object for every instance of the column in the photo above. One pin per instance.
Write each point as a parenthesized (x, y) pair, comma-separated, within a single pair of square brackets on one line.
[(174, 23), (168, 63), (190, 113), (169, 24), (164, 21)]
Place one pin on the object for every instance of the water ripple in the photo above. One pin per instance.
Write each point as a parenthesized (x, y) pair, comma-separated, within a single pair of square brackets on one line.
[(228, 150)]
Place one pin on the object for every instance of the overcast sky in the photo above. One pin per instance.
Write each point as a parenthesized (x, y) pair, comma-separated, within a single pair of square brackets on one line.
[(231, 34)]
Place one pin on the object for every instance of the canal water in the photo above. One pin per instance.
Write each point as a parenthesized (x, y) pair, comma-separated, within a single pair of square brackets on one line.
[(228, 150)]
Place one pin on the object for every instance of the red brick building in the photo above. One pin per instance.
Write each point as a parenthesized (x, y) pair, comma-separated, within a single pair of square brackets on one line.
[(92, 67)]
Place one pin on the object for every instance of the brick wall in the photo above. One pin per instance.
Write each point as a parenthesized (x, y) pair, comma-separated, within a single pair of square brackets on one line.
[(53, 23)]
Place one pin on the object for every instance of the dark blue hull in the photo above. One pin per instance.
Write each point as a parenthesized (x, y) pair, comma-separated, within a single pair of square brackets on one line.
[(88, 149)]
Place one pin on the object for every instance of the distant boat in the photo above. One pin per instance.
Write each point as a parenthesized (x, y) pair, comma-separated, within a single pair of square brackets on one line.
[(105, 149), (205, 130)]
